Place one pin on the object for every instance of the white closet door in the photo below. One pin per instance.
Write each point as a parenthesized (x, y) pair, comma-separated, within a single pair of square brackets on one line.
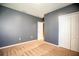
[(64, 31), (75, 31), (69, 31)]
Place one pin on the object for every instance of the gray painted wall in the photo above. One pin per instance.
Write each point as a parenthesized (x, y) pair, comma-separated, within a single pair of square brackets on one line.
[(15, 25), (51, 22)]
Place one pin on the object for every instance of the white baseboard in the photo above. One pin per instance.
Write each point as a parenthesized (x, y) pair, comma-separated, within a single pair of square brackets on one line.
[(16, 44)]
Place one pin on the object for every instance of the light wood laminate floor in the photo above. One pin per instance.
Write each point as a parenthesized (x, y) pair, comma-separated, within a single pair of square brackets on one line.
[(37, 48)]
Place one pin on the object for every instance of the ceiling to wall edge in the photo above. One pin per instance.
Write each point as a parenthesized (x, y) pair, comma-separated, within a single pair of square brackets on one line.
[(2, 4), (57, 9), (20, 11)]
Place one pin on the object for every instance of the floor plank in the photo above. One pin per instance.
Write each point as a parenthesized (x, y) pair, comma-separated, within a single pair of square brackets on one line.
[(37, 48)]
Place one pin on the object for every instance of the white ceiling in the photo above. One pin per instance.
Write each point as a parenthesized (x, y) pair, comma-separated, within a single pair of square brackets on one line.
[(36, 9)]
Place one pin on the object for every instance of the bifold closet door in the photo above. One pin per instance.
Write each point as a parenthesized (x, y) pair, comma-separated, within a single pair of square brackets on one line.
[(75, 31), (64, 31), (69, 31)]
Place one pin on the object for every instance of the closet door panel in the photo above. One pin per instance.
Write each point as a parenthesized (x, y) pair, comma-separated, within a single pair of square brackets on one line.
[(75, 32), (64, 31)]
